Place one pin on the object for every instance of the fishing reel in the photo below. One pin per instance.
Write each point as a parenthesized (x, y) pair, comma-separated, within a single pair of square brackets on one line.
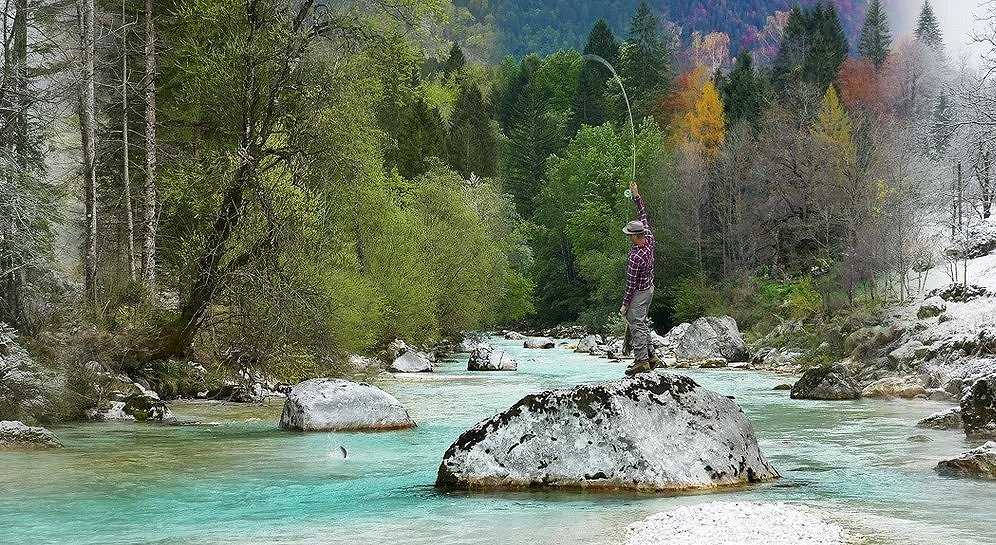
[(628, 193)]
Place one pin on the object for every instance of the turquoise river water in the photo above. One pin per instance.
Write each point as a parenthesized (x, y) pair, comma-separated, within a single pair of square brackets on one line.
[(240, 479)]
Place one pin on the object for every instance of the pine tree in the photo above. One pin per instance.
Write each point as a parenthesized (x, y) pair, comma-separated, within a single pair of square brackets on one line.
[(455, 61), (646, 62), (742, 92), (928, 30), (472, 144), (813, 48), (591, 105), (533, 137), (875, 36), (940, 128)]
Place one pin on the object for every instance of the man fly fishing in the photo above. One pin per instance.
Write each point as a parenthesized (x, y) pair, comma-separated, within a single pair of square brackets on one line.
[(639, 287)]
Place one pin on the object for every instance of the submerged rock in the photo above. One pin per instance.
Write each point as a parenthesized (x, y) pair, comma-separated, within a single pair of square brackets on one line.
[(910, 387), (978, 408), (489, 358), (979, 463), (714, 363), (831, 382), (655, 431), (721, 523), (327, 404), (706, 338), (411, 362), (18, 435), (136, 408), (944, 420), (539, 343)]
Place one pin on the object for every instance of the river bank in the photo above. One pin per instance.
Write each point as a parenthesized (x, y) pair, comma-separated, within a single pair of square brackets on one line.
[(240, 479)]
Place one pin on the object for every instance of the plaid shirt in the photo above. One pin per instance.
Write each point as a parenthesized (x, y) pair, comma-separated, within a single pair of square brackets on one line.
[(640, 271)]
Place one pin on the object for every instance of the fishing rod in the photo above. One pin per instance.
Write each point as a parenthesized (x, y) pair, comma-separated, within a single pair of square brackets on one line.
[(632, 126)]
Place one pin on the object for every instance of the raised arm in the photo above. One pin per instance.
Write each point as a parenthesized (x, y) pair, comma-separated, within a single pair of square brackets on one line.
[(641, 210)]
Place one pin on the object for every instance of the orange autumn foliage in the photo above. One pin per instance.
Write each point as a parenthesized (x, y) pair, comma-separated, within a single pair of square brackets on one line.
[(859, 85)]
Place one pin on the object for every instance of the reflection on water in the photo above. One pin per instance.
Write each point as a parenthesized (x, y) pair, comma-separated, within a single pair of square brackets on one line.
[(236, 478)]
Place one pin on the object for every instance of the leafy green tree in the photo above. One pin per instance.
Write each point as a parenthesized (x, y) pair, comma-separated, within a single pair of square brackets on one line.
[(645, 60), (875, 38), (591, 105), (928, 29), (580, 262)]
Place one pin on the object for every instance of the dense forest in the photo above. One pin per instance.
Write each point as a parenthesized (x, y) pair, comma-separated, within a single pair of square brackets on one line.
[(271, 185), (521, 27)]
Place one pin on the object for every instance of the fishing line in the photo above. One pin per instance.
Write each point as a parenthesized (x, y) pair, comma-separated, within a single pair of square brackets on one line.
[(632, 127)]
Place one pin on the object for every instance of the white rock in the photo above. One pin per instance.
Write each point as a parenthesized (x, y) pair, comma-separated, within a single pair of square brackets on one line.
[(539, 343), (18, 435), (979, 463), (910, 387), (705, 338), (721, 523), (655, 431), (489, 358), (327, 404), (586, 344), (514, 336), (411, 362), (397, 347)]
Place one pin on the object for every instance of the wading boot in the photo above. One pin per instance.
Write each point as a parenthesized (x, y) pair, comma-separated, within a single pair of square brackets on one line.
[(655, 362), (639, 366)]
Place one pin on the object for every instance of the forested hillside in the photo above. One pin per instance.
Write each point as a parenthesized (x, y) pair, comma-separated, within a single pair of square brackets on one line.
[(277, 187), (543, 26)]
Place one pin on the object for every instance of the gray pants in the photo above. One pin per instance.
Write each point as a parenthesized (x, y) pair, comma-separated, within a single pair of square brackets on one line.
[(639, 331)]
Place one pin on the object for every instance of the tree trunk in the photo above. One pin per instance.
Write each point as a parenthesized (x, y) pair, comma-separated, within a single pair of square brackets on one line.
[(126, 171), (151, 220), (85, 12), (14, 97)]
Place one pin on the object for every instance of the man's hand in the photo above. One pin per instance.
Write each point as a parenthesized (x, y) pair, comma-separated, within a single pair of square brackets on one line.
[(623, 309), (634, 189)]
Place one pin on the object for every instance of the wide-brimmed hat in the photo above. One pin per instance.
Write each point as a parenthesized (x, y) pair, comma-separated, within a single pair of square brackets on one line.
[(634, 228)]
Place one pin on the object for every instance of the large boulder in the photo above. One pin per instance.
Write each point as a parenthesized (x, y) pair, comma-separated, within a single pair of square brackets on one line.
[(910, 387), (539, 343), (831, 382), (587, 344), (655, 431), (489, 358), (979, 463), (978, 408), (22, 384), (933, 306), (328, 404), (145, 407), (959, 293), (706, 338), (944, 420), (17, 435), (411, 361), (514, 336)]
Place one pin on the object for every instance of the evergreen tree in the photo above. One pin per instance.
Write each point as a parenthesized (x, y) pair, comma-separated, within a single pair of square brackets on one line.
[(928, 30), (742, 92), (875, 36), (591, 104), (830, 47), (646, 62), (516, 79), (455, 61), (532, 138), (472, 143), (940, 128), (813, 48)]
